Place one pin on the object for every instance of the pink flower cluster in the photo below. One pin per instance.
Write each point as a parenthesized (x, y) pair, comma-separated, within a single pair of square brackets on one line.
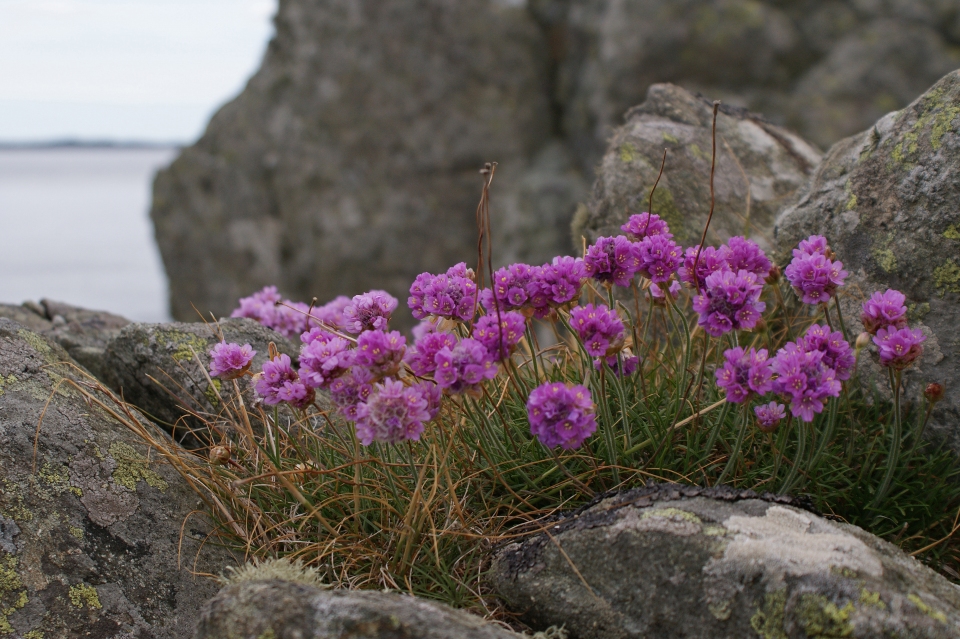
[(360, 375), (884, 310), (500, 338), (369, 312), (885, 317), (561, 415), (644, 225), (738, 254), (452, 294), (729, 301), (814, 276), (463, 368), (805, 379), (599, 328), (745, 373), (267, 307), (535, 290), (615, 260), (230, 361)]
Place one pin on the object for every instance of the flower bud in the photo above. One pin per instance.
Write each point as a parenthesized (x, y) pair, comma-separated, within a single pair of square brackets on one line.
[(219, 455), (933, 392), (774, 276), (863, 340)]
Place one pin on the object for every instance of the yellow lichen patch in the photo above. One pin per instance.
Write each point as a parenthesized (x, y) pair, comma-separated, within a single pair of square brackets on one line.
[(16, 511), (36, 342), (58, 478), (132, 467), (213, 391), (184, 344), (9, 380), (952, 232), (671, 513), (83, 595), (267, 634), (885, 259), (12, 591), (666, 208), (868, 598), (76, 532), (714, 531), (670, 138), (34, 634), (927, 609), (821, 617), (720, 611), (946, 277), (697, 151), (916, 312), (942, 124), (768, 621), (628, 153), (851, 202)]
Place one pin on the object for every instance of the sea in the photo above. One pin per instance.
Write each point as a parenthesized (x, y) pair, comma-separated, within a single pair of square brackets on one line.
[(75, 227)]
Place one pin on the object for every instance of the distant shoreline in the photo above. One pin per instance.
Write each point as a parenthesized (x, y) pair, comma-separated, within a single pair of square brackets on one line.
[(88, 144)]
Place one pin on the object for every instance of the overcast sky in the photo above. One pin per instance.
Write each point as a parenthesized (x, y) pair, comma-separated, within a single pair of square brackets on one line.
[(151, 70)]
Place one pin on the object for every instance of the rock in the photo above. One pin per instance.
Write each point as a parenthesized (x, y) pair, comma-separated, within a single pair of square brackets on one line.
[(277, 608), (83, 333), (359, 139), (764, 55), (871, 71), (90, 518), (759, 165), (160, 368), (674, 561), (888, 201)]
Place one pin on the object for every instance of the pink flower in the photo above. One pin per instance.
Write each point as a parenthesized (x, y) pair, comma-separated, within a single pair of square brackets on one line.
[(899, 348), (230, 361), (561, 415)]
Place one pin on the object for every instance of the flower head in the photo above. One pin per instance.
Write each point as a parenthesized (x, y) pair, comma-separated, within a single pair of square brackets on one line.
[(331, 313), (230, 361), (380, 352), (884, 310), (560, 282), (369, 312), (452, 294), (600, 329), (463, 368), (899, 348), (742, 254), (392, 413), (561, 415), (744, 373), (500, 338), (805, 379), (515, 288), (612, 260), (645, 225), (280, 383), (837, 353), (659, 256), (266, 306), (322, 361), (711, 260), (729, 301), (813, 275), (350, 390), (421, 356), (769, 416)]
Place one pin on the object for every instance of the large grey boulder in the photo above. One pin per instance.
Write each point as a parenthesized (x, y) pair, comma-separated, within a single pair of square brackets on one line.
[(159, 368), (92, 534), (82, 332), (758, 166), (824, 68), (351, 159), (888, 201), (671, 561), (253, 609)]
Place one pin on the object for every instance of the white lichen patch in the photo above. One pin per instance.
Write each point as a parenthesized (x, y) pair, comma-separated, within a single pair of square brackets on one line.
[(787, 542), (666, 520)]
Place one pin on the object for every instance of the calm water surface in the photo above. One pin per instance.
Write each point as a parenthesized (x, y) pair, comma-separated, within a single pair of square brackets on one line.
[(74, 227)]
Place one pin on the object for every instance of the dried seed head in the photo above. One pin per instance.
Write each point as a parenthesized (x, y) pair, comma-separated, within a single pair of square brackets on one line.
[(933, 392), (219, 455)]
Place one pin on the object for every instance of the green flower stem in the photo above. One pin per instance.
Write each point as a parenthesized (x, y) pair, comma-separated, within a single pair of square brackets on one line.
[(798, 460), (918, 436), (894, 456), (609, 438), (843, 328), (828, 433), (735, 453)]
